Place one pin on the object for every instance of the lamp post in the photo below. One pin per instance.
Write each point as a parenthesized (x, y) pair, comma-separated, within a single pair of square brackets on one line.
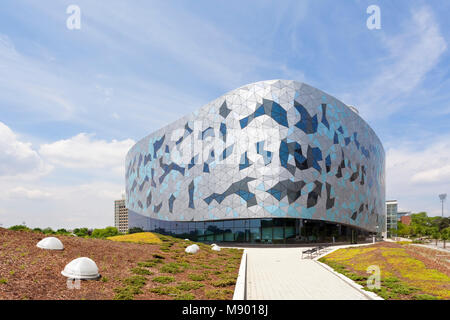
[(442, 197)]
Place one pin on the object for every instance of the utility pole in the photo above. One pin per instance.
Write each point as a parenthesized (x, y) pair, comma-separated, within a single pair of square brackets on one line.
[(442, 197)]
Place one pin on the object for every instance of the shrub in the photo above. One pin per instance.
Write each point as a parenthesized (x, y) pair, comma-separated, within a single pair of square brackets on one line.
[(37, 230), (135, 230), (3, 281), (48, 231), (103, 233), (164, 279), (81, 232), (19, 228), (62, 231)]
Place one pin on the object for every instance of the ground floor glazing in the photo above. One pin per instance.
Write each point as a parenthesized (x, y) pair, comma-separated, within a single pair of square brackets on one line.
[(266, 231)]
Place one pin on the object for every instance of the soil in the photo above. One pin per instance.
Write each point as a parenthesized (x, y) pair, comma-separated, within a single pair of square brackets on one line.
[(28, 272)]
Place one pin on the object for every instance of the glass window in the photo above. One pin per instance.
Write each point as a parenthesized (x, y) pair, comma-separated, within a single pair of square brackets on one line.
[(239, 235), (266, 223), (228, 224), (255, 223), (219, 224), (289, 232), (278, 233), (199, 225), (255, 235), (239, 223), (278, 222), (266, 235), (228, 235), (218, 237)]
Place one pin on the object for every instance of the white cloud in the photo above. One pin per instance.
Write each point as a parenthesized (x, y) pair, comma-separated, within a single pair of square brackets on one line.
[(417, 175), (412, 55), (84, 152), (55, 200), (31, 84), (17, 158), (25, 193)]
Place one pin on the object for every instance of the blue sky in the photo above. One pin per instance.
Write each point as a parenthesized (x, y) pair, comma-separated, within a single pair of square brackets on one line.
[(72, 102)]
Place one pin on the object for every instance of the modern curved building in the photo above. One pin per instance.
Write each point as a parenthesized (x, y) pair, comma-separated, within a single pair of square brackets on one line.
[(271, 162)]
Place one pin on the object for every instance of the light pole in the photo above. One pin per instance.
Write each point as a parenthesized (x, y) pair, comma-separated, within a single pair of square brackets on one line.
[(442, 197)]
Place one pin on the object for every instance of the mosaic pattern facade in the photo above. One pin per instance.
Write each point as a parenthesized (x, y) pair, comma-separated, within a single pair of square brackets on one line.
[(271, 149)]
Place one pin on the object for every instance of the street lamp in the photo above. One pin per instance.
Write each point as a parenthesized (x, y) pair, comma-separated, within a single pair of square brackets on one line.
[(442, 197)]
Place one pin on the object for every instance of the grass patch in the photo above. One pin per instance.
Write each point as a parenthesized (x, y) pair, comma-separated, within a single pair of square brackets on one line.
[(198, 277), (189, 285), (224, 282), (133, 287), (218, 294), (141, 271), (403, 276), (164, 279), (3, 281), (166, 290), (150, 263), (185, 296), (140, 237), (174, 267), (425, 297)]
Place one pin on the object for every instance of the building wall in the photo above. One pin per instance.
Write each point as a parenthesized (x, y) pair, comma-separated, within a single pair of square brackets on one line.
[(406, 220), (271, 149), (120, 216), (391, 216)]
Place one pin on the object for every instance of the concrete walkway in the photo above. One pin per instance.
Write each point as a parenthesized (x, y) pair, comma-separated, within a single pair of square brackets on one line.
[(281, 274)]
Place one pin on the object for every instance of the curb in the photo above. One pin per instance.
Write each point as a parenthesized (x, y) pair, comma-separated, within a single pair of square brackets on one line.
[(240, 290)]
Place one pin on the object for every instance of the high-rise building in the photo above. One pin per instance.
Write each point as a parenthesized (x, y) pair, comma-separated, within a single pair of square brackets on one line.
[(121, 215), (271, 162), (391, 217)]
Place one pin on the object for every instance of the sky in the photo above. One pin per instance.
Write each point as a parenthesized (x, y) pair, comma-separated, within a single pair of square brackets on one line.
[(73, 101)]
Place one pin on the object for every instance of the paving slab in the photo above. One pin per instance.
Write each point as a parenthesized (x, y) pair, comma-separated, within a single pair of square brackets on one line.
[(281, 274)]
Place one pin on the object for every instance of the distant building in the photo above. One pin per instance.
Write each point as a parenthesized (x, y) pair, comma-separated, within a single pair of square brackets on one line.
[(121, 215), (406, 220), (402, 214), (391, 216)]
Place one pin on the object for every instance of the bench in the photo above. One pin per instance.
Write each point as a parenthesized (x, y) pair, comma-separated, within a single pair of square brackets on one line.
[(310, 252)]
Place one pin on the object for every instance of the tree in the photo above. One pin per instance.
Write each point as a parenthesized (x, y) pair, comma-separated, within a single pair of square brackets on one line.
[(135, 230), (48, 231), (445, 235), (436, 236), (81, 232), (104, 233)]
